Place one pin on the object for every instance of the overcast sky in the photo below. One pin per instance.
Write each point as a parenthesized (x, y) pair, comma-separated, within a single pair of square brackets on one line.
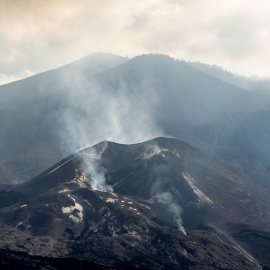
[(37, 35)]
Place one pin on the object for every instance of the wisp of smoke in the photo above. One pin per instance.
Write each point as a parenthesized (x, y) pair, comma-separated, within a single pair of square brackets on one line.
[(151, 150), (160, 194), (92, 112), (166, 198), (95, 173)]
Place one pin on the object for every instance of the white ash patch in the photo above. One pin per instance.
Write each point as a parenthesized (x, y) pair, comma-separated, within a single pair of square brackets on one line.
[(80, 179), (151, 151), (135, 235), (64, 190), (145, 206), (154, 150), (19, 224), (70, 209), (111, 200), (81, 182), (202, 198), (24, 205), (149, 201)]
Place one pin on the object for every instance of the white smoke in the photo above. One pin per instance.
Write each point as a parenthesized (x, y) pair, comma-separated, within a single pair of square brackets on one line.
[(92, 112), (95, 173), (151, 150), (162, 193), (166, 195), (176, 211), (167, 199)]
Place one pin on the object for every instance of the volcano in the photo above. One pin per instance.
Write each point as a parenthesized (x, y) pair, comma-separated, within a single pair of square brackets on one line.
[(160, 204), (47, 117)]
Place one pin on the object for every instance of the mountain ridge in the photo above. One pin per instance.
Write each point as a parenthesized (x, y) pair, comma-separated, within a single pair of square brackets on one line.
[(84, 61), (159, 95)]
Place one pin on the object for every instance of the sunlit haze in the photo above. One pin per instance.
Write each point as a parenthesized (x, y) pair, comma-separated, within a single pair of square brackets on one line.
[(38, 35)]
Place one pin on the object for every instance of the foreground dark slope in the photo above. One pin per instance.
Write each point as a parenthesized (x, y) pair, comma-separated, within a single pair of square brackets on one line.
[(175, 208)]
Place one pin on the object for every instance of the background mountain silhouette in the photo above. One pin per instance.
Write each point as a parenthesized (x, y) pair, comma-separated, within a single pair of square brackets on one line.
[(53, 114)]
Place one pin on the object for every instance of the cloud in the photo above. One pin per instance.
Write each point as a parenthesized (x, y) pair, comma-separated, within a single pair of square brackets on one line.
[(169, 199), (40, 35), (6, 78), (91, 115)]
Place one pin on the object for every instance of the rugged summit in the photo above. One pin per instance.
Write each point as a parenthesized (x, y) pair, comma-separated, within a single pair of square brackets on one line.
[(153, 205)]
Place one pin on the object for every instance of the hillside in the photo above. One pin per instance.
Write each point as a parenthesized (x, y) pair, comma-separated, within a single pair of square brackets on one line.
[(260, 85), (154, 205), (145, 97)]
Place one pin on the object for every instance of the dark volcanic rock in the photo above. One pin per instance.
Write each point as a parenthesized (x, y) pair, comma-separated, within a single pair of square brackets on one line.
[(174, 209), (9, 197)]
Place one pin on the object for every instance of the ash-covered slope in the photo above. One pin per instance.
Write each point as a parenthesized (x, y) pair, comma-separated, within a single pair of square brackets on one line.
[(158, 204)]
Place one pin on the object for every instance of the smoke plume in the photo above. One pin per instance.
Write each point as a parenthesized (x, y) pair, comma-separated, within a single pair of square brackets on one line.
[(91, 113), (164, 194)]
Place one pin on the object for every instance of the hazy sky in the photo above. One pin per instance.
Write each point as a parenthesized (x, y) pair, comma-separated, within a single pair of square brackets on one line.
[(37, 35)]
